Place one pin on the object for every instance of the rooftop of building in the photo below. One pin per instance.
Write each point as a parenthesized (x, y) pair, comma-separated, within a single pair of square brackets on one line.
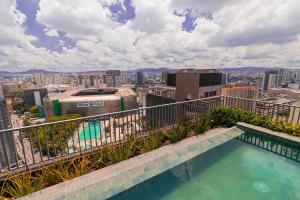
[(92, 94), (164, 87), (34, 88), (239, 86), (285, 89), (277, 100)]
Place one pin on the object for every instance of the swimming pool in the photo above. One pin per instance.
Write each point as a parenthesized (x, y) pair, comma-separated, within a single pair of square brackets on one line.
[(233, 170), (90, 131)]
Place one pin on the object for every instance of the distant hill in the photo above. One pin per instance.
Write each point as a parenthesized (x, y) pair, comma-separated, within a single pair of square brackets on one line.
[(33, 71), (5, 73), (153, 70), (246, 69), (148, 70)]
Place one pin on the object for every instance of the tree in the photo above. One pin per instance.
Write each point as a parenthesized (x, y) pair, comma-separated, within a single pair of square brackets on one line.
[(19, 106), (34, 110), (53, 139)]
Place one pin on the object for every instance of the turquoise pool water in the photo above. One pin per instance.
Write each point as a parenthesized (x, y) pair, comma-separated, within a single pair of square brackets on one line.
[(234, 170), (90, 132)]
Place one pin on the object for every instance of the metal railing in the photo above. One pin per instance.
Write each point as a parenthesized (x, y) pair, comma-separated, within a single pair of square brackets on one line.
[(287, 113), (30, 147)]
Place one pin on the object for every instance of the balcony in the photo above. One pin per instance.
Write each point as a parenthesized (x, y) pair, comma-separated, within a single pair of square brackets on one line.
[(88, 143)]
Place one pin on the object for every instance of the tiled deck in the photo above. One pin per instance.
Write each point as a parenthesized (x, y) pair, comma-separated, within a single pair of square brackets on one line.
[(107, 182)]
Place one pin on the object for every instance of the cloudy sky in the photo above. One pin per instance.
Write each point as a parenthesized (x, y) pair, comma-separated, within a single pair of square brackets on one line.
[(76, 35)]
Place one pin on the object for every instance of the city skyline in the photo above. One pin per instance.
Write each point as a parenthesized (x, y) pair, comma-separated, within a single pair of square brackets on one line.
[(99, 35)]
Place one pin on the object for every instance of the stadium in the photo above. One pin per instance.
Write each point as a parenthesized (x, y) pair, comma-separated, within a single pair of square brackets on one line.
[(92, 101)]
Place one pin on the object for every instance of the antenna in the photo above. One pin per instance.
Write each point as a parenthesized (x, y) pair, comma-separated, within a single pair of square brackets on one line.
[(194, 62)]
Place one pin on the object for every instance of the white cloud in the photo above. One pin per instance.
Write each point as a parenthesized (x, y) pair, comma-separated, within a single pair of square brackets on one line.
[(80, 19), (51, 32), (257, 22), (247, 33), (11, 25)]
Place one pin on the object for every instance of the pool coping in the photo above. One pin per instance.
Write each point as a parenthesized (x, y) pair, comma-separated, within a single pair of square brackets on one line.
[(272, 134), (111, 180)]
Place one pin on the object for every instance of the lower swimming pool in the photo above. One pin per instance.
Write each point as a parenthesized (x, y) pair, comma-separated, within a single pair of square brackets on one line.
[(91, 131), (233, 170)]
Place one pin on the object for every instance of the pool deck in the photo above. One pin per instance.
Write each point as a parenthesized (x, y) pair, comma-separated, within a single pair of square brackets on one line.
[(107, 182)]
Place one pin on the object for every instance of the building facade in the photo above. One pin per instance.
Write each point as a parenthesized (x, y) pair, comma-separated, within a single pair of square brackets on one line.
[(188, 84), (240, 91), (113, 78), (196, 84), (91, 80), (140, 78), (272, 79), (92, 101), (34, 96), (40, 79), (7, 144)]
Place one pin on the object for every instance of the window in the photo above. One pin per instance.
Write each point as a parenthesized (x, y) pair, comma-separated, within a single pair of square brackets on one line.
[(81, 105), (97, 104), (210, 94), (210, 79), (213, 93), (171, 79)]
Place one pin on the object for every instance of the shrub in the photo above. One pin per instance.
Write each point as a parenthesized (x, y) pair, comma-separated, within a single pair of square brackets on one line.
[(229, 116), (98, 159), (54, 137), (202, 124), (76, 167), (21, 185), (222, 116), (186, 122), (117, 153), (152, 142), (177, 133)]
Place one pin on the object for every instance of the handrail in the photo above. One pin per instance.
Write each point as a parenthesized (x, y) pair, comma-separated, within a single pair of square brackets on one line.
[(29, 146), (104, 115)]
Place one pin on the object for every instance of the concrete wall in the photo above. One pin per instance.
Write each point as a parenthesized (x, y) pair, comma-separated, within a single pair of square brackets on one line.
[(187, 84), (108, 107), (48, 107), (202, 90), (29, 95)]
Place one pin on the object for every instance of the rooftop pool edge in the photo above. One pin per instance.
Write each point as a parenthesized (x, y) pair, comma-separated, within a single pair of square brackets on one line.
[(111, 180), (273, 134)]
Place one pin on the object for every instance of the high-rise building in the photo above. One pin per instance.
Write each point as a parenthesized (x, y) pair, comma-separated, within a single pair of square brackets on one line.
[(187, 84), (225, 78), (83, 79), (125, 79), (195, 84), (39, 79), (57, 79), (7, 144), (1, 93), (272, 78), (94, 80), (140, 78), (113, 78), (163, 78), (291, 76)]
